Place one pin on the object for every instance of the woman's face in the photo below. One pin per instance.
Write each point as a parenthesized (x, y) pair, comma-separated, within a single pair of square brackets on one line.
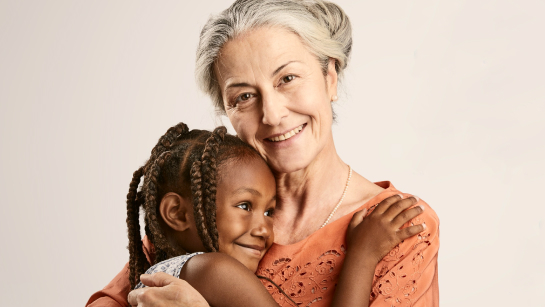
[(277, 97)]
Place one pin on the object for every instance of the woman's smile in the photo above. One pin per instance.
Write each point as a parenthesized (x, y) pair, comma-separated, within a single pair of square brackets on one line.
[(285, 136), (282, 107)]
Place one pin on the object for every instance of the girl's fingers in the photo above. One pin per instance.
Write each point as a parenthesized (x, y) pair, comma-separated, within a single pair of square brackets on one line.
[(358, 217), (399, 206), (407, 215), (410, 231), (386, 203)]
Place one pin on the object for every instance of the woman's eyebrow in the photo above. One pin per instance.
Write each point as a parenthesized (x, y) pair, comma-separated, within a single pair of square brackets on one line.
[(242, 84), (281, 67)]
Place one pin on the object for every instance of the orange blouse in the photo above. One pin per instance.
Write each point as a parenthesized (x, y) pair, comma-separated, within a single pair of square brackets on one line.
[(308, 270)]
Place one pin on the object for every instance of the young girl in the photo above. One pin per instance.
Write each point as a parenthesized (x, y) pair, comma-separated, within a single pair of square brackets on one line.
[(211, 192)]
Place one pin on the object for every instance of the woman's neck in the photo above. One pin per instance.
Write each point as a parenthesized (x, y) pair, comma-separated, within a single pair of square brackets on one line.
[(306, 197)]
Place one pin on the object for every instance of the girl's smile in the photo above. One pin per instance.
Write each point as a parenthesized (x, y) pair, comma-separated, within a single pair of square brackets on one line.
[(245, 200)]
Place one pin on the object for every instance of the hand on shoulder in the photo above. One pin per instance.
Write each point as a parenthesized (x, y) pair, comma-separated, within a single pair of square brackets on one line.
[(164, 290)]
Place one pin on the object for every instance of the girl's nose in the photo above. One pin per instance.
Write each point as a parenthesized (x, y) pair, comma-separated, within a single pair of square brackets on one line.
[(274, 108), (261, 228)]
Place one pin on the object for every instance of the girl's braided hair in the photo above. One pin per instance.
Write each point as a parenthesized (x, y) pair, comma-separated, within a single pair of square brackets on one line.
[(184, 162)]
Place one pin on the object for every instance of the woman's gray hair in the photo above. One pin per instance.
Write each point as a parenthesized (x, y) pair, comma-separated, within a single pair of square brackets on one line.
[(322, 26)]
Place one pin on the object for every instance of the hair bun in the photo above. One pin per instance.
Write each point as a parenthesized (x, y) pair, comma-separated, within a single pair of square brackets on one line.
[(333, 18)]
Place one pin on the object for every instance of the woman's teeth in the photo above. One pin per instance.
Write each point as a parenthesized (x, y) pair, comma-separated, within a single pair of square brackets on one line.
[(287, 135)]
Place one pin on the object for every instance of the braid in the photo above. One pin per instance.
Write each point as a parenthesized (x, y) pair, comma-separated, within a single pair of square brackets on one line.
[(209, 171), (186, 163), (198, 210), (136, 253), (147, 197), (203, 186), (166, 141), (163, 248)]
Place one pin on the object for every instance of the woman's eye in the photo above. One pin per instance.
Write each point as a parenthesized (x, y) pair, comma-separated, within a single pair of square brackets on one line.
[(288, 78), (269, 212), (244, 97), (244, 206)]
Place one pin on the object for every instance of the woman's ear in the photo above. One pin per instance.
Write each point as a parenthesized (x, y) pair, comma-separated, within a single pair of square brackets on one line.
[(176, 211), (331, 78)]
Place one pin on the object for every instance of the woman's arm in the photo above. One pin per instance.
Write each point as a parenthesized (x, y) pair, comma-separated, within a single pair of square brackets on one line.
[(224, 281), (115, 293), (369, 240)]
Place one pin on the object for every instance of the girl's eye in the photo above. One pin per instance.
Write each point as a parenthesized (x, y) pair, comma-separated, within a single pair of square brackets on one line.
[(269, 212), (244, 206), (288, 78)]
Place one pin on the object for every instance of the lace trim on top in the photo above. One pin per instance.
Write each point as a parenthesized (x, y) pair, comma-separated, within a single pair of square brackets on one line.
[(172, 266)]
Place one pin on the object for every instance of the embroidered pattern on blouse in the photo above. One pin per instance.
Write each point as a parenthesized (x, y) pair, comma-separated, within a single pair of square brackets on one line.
[(398, 285), (300, 280), (395, 280)]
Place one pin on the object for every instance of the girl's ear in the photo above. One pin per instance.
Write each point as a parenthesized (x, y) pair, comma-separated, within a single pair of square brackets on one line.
[(176, 211)]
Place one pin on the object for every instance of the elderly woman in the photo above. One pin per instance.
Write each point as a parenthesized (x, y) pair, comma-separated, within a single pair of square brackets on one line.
[(273, 67)]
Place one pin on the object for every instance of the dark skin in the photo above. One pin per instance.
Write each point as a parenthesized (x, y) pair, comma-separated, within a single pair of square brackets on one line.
[(369, 239), (224, 281)]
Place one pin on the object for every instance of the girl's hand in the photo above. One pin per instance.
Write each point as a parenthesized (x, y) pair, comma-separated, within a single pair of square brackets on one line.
[(378, 233)]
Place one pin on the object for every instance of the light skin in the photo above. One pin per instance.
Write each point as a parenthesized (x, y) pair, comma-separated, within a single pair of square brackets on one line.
[(273, 88), (271, 84)]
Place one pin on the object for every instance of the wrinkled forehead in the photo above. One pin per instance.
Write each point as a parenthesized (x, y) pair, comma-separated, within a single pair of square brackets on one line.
[(259, 51)]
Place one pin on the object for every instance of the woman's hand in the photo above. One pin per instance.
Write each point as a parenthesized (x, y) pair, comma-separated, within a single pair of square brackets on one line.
[(375, 235), (165, 291)]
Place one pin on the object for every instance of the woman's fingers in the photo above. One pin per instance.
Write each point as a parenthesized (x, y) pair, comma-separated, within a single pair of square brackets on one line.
[(410, 231), (407, 215)]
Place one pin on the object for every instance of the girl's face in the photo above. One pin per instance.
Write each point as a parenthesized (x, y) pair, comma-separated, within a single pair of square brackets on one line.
[(277, 97), (245, 200)]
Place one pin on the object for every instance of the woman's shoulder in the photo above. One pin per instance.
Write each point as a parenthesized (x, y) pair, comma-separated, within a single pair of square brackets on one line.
[(429, 216)]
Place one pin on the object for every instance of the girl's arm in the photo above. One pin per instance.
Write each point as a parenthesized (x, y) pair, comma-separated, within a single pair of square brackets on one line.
[(224, 281), (369, 239)]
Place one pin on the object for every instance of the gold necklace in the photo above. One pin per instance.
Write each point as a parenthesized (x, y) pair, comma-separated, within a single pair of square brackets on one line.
[(342, 197)]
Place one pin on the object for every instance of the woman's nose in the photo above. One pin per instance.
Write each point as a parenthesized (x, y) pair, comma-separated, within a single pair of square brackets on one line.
[(274, 108)]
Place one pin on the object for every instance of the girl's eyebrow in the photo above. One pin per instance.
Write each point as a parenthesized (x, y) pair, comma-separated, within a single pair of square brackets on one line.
[(243, 190)]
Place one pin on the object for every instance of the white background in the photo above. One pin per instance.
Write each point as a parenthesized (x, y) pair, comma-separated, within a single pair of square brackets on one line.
[(451, 94)]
